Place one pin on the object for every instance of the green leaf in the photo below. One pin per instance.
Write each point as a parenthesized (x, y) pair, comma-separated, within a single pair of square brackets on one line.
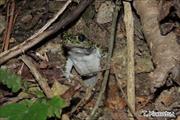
[(26, 102), (38, 111), (22, 111), (11, 80), (55, 106), (36, 91), (13, 111), (29, 110), (57, 102)]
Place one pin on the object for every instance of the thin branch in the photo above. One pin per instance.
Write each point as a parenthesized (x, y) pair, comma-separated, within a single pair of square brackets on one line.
[(124, 95), (52, 20), (128, 19), (111, 45), (39, 78), (83, 101), (10, 22)]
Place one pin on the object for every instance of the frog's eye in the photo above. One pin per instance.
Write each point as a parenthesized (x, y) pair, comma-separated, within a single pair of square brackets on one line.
[(82, 37)]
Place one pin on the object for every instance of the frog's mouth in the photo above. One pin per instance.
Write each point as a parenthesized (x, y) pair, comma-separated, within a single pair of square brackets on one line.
[(72, 49), (70, 46)]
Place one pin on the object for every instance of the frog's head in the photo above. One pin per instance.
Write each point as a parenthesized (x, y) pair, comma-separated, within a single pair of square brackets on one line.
[(79, 40)]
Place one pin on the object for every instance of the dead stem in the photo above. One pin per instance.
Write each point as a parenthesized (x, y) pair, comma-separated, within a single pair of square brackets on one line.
[(39, 78), (10, 23), (128, 20)]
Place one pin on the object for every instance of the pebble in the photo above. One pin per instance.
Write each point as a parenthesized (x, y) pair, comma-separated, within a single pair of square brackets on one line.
[(105, 12)]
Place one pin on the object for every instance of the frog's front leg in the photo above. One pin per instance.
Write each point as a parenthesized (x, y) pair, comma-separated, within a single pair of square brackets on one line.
[(68, 68)]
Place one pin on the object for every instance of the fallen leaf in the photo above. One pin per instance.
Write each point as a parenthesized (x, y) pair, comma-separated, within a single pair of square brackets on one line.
[(58, 89)]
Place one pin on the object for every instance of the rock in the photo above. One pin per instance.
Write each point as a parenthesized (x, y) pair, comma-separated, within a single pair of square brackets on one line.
[(105, 12)]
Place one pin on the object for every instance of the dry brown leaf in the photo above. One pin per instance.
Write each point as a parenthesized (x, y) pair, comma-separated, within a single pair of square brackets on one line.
[(58, 89)]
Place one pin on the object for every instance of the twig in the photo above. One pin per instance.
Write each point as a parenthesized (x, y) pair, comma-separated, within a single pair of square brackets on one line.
[(128, 19), (20, 70), (84, 100), (10, 19), (29, 43), (51, 20), (124, 95), (39, 78), (18, 98), (110, 51)]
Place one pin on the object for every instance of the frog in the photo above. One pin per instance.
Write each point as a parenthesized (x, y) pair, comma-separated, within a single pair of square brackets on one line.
[(83, 55)]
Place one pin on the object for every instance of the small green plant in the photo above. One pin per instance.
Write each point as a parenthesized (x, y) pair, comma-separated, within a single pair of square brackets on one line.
[(11, 80), (40, 109)]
